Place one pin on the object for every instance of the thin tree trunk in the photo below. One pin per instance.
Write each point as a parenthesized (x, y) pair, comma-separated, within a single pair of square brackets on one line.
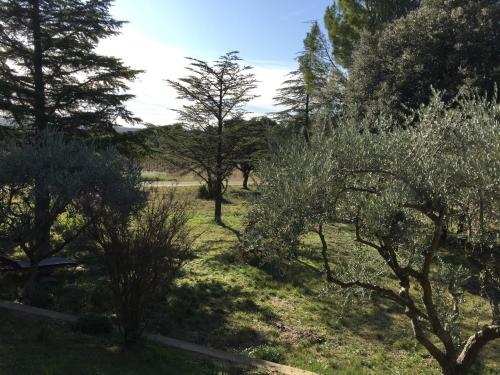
[(246, 175), (306, 121), (219, 177), (41, 244), (218, 201), (324, 254), (38, 76), (29, 286)]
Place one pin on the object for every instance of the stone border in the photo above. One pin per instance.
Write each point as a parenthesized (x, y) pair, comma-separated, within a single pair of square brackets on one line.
[(275, 368)]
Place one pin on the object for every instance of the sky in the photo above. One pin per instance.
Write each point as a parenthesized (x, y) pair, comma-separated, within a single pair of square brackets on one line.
[(161, 33)]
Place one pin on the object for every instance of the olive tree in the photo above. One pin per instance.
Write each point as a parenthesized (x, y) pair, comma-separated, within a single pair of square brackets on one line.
[(76, 179), (285, 210), (399, 189)]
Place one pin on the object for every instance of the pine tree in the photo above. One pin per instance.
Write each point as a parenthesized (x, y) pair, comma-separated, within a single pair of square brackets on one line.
[(346, 20), (50, 73), (312, 88)]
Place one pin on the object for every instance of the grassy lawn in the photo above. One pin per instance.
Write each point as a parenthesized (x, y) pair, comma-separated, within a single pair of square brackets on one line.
[(33, 347), (222, 302)]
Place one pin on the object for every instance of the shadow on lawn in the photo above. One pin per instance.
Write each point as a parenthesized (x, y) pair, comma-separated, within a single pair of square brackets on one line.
[(236, 232), (200, 313)]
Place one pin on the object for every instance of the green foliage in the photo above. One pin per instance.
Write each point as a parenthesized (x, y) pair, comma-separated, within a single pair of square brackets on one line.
[(312, 94), (50, 72), (297, 191), (50, 190), (444, 44), (347, 20), (204, 192), (313, 64), (251, 141), (221, 302), (77, 180), (215, 94), (190, 150), (94, 324)]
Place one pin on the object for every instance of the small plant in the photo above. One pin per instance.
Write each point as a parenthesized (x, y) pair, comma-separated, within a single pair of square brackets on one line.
[(266, 352), (405, 344), (94, 324)]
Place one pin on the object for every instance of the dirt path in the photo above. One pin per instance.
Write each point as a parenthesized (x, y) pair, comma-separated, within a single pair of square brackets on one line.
[(188, 183)]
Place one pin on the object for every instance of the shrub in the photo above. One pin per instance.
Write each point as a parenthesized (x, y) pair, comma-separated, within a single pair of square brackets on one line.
[(143, 253), (94, 324), (204, 193)]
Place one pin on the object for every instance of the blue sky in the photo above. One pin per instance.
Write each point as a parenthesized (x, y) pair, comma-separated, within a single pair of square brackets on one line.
[(160, 33)]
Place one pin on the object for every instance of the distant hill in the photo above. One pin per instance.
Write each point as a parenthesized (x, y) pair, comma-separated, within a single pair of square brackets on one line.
[(119, 129), (128, 129), (5, 122)]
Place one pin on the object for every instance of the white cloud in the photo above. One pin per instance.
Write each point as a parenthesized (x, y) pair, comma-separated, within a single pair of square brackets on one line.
[(154, 97)]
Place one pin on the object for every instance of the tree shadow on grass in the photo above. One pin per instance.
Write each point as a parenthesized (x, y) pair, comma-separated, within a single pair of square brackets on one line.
[(457, 252), (30, 346), (201, 313), (371, 320), (236, 232)]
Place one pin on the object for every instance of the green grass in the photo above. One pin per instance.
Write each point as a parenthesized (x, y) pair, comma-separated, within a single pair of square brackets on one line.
[(222, 302), (153, 176), (34, 347)]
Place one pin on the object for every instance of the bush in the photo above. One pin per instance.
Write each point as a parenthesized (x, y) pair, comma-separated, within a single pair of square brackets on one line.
[(143, 253), (204, 193), (94, 324)]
